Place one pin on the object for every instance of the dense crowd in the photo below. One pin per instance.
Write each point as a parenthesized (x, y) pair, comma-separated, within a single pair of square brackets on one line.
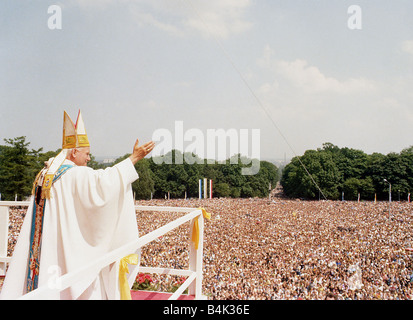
[(16, 218), (288, 249)]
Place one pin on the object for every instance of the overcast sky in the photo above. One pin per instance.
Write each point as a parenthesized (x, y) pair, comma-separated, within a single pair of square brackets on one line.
[(292, 69)]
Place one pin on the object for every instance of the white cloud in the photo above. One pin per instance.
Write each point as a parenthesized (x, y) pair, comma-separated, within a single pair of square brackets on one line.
[(407, 46), (90, 4), (311, 107), (218, 18), (149, 19), (309, 79)]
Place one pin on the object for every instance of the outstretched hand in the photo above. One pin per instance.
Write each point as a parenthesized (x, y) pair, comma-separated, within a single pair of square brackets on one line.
[(140, 152)]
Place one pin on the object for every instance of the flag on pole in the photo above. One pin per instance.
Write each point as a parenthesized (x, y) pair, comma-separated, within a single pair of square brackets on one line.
[(205, 188)]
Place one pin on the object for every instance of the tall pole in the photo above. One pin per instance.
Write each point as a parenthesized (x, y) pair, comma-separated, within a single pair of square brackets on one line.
[(385, 180), (389, 200), (4, 235), (205, 188)]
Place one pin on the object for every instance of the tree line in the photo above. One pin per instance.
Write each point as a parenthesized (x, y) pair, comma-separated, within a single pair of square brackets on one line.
[(337, 171), (19, 165), (349, 172)]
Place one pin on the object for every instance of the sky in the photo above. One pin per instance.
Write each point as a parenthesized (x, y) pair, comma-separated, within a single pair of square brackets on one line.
[(303, 72)]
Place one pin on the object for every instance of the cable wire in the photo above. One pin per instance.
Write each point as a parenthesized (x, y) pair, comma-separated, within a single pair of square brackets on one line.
[(219, 44)]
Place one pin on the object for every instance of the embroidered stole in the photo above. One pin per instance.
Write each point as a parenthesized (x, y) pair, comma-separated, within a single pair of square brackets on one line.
[(36, 232)]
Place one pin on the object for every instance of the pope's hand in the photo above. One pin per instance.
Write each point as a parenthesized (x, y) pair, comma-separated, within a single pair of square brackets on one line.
[(140, 152)]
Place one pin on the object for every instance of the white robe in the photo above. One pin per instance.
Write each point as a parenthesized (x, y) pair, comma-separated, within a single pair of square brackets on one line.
[(90, 213)]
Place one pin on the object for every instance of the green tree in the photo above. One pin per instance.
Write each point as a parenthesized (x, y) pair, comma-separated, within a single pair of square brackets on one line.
[(353, 186), (375, 170), (18, 168), (350, 171), (407, 158), (395, 170), (222, 189), (144, 186), (169, 176), (258, 185), (321, 166)]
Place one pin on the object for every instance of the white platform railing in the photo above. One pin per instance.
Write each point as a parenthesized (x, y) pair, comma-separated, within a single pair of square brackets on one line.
[(194, 273)]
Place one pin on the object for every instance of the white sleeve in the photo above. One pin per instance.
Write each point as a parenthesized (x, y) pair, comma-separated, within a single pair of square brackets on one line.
[(98, 188)]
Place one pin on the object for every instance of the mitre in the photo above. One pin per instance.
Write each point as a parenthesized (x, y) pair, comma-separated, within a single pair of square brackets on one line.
[(74, 135)]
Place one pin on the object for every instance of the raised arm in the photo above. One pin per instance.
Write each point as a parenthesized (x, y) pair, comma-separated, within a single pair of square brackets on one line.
[(140, 152)]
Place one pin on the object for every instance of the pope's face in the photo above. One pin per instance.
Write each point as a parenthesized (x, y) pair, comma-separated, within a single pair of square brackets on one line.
[(82, 156)]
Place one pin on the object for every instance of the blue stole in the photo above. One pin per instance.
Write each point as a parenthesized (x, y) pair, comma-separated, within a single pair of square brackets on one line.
[(39, 205)]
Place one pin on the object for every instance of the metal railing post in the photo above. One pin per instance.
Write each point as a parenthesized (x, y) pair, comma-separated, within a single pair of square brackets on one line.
[(199, 258), (4, 236), (195, 255), (195, 259)]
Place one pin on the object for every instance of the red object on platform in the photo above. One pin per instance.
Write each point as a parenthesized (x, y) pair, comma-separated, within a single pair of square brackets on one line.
[(153, 295)]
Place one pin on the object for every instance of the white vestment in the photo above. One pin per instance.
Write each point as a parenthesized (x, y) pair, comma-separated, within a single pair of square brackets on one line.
[(90, 213)]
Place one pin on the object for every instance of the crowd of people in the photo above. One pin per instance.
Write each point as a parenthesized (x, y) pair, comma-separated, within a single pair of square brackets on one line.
[(16, 217), (287, 249)]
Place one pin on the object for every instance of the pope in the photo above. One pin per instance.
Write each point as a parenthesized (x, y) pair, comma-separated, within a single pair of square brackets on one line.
[(76, 215)]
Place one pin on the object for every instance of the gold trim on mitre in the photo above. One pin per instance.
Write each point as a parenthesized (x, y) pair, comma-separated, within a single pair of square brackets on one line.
[(81, 135), (74, 135), (69, 132)]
